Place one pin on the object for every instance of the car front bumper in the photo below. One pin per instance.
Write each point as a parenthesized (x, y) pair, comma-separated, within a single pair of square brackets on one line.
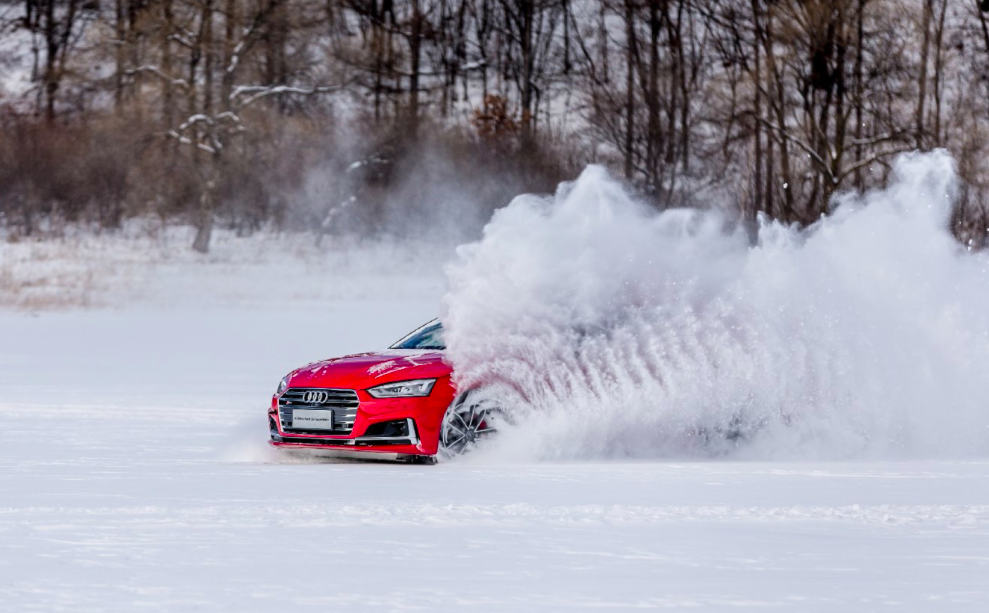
[(420, 436), (409, 444)]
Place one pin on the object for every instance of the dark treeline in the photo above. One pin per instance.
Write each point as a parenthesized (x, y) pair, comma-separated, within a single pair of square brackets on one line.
[(224, 111)]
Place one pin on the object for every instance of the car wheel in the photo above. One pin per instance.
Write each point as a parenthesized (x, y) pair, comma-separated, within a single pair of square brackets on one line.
[(467, 422)]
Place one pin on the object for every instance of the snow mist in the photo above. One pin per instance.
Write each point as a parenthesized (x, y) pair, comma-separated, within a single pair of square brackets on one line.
[(613, 330)]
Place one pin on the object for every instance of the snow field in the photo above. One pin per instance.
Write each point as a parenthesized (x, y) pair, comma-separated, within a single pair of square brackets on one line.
[(134, 473), (133, 476)]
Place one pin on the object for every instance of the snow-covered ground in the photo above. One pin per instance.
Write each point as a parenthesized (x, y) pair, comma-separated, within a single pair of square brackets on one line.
[(133, 476), (135, 376)]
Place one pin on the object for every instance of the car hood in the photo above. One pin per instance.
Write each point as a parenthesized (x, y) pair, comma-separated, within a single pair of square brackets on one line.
[(364, 370)]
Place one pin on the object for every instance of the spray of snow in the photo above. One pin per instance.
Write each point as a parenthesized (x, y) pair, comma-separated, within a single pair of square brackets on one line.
[(247, 442), (611, 329)]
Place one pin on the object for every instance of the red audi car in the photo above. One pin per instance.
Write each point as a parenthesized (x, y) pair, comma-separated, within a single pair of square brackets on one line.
[(400, 402)]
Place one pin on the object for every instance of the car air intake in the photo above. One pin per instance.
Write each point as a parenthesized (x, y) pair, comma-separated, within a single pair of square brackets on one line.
[(389, 429), (344, 404)]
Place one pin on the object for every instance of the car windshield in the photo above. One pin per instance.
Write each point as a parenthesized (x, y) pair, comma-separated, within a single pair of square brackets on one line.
[(429, 336)]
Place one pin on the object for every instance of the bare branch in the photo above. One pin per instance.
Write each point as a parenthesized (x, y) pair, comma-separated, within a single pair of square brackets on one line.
[(799, 143), (158, 72), (188, 141), (877, 158), (257, 92)]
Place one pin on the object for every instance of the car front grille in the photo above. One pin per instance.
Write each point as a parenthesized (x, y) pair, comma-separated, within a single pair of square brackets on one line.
[(344, 404)]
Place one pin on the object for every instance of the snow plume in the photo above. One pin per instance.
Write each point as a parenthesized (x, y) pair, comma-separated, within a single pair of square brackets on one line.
[(614, 330), (440, 187)]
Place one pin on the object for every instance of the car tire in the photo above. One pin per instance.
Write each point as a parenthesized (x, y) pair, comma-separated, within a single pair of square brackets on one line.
[(426, 460), (467, 423)]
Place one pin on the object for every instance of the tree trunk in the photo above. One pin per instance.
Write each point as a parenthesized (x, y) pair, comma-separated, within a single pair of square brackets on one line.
[(757, 110), (415, 51), (684, 93), (630, 89), (938, 69), (51, 46), (527, 8), (207, 43), (118, 80), (859, 90), (168, 99), (779, 111), (924, 52), (837, 148), (985, 35), (674, 93), (231, 22), (654, 146), (603, 41), (204, 227), (378, 46)]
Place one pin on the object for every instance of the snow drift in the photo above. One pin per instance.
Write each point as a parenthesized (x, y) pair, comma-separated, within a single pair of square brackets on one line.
[(615, 330)]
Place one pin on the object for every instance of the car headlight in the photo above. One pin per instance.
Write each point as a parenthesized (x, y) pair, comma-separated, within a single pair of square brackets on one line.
[(403, 389), (282, 386)]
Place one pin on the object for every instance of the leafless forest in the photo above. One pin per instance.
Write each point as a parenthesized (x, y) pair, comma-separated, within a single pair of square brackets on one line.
[(387, 116)]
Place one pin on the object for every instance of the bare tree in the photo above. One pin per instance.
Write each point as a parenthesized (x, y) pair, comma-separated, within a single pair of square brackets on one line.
[(56, 28), (769, 106)]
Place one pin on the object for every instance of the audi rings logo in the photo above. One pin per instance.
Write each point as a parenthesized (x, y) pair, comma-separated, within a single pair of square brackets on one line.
[(315, 397)]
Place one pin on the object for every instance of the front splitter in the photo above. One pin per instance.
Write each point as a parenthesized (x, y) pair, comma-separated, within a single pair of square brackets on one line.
[(304, 451)]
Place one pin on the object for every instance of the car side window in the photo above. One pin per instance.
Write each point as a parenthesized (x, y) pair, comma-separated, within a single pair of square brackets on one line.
[(429, 336)]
